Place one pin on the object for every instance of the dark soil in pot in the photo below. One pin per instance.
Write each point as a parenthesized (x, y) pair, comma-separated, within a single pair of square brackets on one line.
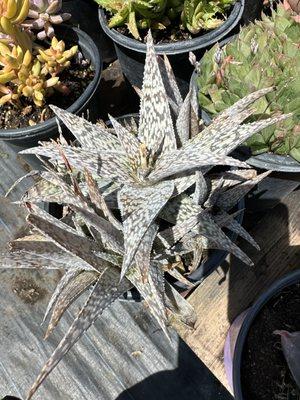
[(131, 52), (264, 371), (29, 136), (76, 78)]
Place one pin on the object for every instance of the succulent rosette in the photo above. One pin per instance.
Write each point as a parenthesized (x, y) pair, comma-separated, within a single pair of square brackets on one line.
[(42, 15)]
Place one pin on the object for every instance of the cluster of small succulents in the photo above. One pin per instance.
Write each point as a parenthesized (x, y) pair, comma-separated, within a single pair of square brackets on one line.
[(27, 69), (140, 201), (193, 15), (42, 15), (266, 53)]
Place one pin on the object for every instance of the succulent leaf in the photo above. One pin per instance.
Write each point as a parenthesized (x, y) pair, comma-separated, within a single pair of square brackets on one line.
[(265, 53), (155, 127), (136, 201), (104, 293)]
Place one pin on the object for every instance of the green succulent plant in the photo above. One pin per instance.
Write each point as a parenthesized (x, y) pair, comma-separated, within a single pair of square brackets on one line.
[(140, 201), (28, 70), (193, 15), (199, 15), (265, 53)]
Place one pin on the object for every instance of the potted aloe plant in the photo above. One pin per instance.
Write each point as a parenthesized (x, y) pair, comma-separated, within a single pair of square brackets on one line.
[(42, 61), (264, 53), (178, 26), (140, 201), (262, 351)]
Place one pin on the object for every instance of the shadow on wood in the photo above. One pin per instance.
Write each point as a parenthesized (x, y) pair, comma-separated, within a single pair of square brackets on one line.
[(232, 289), (190, 380)]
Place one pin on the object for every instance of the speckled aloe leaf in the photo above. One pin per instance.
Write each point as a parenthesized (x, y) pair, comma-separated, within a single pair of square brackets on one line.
[(68, 276), (24, 260), (290, 342), (231, 197), (129, 142), (180, 308), (152, 292), (43, 253), (243, 104), (99, 201), (104, 293), (201, 189), (74, 288), (225, 220), (202, 225), (207, 228), (170, 83), (183, 120), (74, 244), (111, 236), (52, 188), (44, 190), (90, 136), (109, 165), (155, 126), (142, 256), (186, 159), (172, 235), (180, 209), (35, 210), (224, 141), (136, 224), (183, 183)]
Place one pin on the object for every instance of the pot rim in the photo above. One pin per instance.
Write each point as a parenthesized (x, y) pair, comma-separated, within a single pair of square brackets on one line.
[(77, 106), (283, 282), (182, 46)]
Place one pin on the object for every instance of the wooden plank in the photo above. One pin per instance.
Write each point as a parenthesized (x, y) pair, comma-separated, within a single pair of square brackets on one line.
[(224, 295), (124, 355)]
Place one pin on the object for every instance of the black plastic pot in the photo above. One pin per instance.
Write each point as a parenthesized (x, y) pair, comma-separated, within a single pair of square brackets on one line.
[(246, 323), (27, 137), (88, 21), (131, 53)]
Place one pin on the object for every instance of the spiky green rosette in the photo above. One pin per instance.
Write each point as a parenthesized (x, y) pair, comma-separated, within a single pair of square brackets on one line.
[(139, 201), (264, 54), (193, 15)]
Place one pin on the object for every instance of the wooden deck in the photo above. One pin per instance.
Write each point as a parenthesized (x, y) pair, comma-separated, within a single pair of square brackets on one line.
[(234, 287), (124, 356)]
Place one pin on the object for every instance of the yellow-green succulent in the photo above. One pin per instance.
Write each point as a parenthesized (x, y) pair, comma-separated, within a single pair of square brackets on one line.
[(16, 11), (192, 15), (56, 58), (28, 70)]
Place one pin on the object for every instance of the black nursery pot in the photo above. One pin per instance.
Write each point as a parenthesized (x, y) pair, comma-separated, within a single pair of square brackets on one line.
[(131, 53), (27, 137), (247, 321)]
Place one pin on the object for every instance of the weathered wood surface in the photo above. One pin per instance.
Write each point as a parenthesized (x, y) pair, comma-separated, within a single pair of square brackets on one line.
[(124, 356), (234, 287)]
